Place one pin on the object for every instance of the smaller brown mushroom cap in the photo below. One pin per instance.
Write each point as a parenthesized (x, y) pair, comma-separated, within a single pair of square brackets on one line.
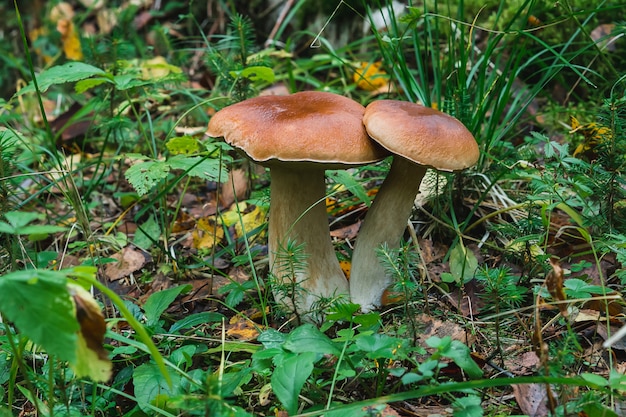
[(423, 135)]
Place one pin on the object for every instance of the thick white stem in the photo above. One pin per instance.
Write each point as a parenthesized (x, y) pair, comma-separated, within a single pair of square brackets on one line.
[(298, 213), (385, 222)]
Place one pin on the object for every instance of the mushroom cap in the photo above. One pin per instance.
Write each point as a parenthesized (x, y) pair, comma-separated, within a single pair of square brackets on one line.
[(421, 134), (307, 127)]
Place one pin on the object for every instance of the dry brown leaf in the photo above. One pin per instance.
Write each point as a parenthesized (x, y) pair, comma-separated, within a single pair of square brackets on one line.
[(235, 188), (601, 36), (532, 399), (347, 232), (554, 284), (128, 261), (435, 327)]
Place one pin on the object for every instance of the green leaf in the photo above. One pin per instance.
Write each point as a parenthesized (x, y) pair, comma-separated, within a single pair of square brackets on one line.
[(196, 320), (144, 176), (184, 145), (307, 338), (467, 407), (577, 288), (147, 234), (463, 263), (271, 338), (39, 304), (595, 409), (60, 74), (159, 301), (289, 378), (379, 345), (151, 387), (196, 166), (256, 74), (84, 85), (128, 81), (458, 352), (595, 379)]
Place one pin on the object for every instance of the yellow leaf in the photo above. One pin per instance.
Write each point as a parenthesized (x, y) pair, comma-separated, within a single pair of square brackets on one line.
[(593, 134), (157, 67), (346, 266), (251, 221), (207, 234), (71, 41), (370, 76), (92, 359), (231, 216), (62, 15)]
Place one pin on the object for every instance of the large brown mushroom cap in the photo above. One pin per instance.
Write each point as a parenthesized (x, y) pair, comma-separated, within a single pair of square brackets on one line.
[(310, 126), (421, 134)]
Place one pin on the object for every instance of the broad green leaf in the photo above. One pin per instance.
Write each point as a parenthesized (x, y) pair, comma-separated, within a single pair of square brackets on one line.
[(379, 345), (458, 352), (307, 338), (271, 338), (159, 301), (577, 288), (144, 176), (39, 304), (149, 232), (463, 263), (195, 320), (595, 409), (289, 378), (255, 74), (196, 166), (151, 386), (467, 407), (598, 380), (84, 85), (128, 81), (60, 74), (185, 145)]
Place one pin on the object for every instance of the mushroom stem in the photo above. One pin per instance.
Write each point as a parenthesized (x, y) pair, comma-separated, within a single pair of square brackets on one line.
[(298, 214), (385, 222)]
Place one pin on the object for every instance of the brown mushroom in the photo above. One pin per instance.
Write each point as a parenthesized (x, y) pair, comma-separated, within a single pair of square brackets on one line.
[(299, 137), (419, 137)]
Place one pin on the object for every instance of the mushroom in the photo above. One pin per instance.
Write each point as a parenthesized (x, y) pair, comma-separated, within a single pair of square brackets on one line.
[(419, 137), (299, 137)]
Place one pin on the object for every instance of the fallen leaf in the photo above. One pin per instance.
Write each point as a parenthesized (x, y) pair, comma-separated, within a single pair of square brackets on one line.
[(92, 358), (554, 284), (242, 328), (235, 188), (128, 261), (347, 232), (431, 326), (62, 14), (532, 399), (370, 76), (207, 233), (601, 36)]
